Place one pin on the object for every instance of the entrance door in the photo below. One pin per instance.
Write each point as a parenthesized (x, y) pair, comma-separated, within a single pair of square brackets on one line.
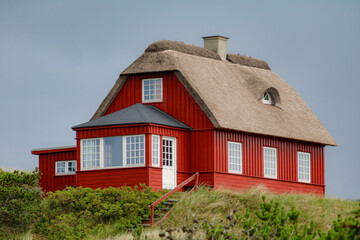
[(169, 163)]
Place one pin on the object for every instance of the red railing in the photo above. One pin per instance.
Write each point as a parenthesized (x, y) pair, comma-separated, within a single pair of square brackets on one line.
[(152, 206)]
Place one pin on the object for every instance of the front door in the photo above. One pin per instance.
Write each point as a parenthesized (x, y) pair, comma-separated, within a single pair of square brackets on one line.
[(169, 163)]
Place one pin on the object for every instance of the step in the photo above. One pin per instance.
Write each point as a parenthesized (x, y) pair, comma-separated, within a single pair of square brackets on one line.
[(168, 203), (172, 200), (165, 209), (146, 220), (145, 225)]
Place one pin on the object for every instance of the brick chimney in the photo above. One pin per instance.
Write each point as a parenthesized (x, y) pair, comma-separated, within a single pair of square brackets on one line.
[(216, 44)]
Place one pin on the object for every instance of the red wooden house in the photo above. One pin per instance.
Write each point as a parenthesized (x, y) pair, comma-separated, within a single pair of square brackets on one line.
[(180, 109)]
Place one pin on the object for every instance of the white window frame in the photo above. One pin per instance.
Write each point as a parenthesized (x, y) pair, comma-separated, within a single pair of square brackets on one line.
[(101, 166), (67, 172), (309, 172), (232, 157), (269, 101), (125, 152), (143, 91), (276, 162), (157, 150)]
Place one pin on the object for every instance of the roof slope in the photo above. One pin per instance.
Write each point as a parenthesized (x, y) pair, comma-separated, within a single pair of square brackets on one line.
[(230, 95), (135, 114)]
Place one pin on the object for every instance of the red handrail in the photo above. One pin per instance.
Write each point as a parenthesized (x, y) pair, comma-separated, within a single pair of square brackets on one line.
[(152, 206)]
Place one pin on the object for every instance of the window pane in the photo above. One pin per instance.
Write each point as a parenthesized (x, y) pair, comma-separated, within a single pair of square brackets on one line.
[(134, 150), (113, 152), (270, 162), (235, 157)]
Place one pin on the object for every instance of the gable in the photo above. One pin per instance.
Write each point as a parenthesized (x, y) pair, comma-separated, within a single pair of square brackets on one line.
[(177, 102)]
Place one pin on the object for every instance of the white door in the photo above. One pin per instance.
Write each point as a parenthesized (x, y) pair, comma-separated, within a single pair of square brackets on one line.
[(169, 163)]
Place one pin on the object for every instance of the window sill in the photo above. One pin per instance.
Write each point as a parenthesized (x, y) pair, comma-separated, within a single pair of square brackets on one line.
[(110, 168), (65, 174)]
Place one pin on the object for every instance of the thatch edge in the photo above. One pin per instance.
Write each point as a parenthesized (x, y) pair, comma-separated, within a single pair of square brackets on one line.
[(105, 104), (197, 98)]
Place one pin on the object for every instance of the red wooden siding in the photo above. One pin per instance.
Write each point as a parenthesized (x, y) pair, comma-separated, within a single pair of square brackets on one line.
[(49, 181), (176, 100), (252, 147), (101, 178), (152, 176), (155, 178), (236, 181)]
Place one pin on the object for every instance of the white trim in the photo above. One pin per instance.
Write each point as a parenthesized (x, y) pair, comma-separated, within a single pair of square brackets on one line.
[(267, 101), (298, 166), (157, 150), (124, 151), (66, 170), (240, 157), (270, 150), (101, 166), (174, 160), (81, 153), (143, 90)]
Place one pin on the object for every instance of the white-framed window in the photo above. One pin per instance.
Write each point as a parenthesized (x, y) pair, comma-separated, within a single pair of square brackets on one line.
[(235, 157), (152, 90), (304, 167), (155, 150), (135, 150), (91, 152), (113, 152), (270, 162), (65, 167), (267, 99)]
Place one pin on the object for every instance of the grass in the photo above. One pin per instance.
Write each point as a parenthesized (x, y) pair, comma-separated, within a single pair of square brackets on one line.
[(215, 206)]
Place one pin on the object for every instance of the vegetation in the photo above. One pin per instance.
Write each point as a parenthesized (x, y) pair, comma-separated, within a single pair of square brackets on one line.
[(20, 198), (255, 214), (84, 213)]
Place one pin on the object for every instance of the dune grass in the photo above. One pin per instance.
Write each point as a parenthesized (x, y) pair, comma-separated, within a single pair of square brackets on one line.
[(213, 206)]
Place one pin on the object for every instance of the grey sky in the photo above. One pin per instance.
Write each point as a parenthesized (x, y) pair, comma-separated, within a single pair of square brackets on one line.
[(59, 59)]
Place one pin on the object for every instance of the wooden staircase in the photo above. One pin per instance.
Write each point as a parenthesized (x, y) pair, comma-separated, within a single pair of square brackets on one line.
[(162, 207)]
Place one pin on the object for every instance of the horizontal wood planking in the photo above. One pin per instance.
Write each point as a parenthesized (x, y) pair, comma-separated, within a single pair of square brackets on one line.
[(252, 147), (113, 177), (235, 181), (49, 181), (176, 100), (155, 178)]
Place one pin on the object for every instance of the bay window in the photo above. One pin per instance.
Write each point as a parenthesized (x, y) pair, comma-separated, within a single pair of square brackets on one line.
[(110, 152)]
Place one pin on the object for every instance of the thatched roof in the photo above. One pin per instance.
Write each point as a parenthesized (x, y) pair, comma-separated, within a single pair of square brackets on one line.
[(230, 95)]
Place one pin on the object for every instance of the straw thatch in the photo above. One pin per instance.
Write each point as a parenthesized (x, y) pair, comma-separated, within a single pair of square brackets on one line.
[(230, 95), (181, 47), (247, 61)]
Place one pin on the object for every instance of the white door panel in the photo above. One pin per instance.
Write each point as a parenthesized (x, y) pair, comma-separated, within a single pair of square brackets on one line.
[(169, 163)]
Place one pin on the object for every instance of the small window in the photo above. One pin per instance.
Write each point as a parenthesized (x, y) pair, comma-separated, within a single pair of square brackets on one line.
[(152, 90), (235, 157), (65, 167), (135, 150), (91, 153), (304, 167), (267, 99), (270, 162), (155, 150)]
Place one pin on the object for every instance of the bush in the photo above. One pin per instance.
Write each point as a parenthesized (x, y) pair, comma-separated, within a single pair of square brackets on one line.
[(20, 198), (75, 213)]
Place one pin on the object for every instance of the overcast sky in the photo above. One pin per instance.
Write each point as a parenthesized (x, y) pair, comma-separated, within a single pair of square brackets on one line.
[(59, 59)]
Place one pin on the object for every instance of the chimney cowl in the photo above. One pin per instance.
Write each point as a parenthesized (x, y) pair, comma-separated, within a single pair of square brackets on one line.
[(217, 44)]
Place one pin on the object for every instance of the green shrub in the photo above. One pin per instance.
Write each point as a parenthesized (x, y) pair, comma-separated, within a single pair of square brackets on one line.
[(20, 198), (74, 213)]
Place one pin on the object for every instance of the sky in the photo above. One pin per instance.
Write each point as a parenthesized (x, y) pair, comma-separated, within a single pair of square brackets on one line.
[(59, 59)]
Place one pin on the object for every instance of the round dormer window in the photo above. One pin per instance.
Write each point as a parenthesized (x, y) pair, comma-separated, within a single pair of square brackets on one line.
[(267, 99)]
